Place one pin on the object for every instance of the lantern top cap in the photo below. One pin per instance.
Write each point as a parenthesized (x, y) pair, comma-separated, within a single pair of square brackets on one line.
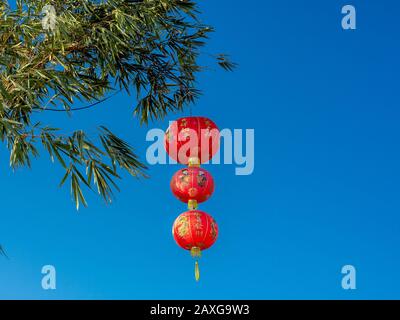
[(194, 162)]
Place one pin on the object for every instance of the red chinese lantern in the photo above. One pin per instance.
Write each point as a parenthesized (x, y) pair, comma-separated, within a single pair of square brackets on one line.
[(192, 140), (195, 230), (192, 185)]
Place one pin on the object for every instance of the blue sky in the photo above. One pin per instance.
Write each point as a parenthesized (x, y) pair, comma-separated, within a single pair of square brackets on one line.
[(324, 104)]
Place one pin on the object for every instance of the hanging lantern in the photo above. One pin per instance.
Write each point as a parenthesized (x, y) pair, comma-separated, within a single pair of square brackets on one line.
[(192, 185), (195, 230), (192, 140)]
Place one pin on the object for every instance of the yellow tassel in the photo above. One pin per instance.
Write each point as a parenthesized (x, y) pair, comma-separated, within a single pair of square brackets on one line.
[(196, 271)]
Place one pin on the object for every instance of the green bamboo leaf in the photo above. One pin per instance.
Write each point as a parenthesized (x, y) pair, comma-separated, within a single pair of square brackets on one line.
[(151, 48)]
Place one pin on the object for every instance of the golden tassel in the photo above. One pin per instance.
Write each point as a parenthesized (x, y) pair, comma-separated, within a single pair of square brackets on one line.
[(196, 271), (196, 253)]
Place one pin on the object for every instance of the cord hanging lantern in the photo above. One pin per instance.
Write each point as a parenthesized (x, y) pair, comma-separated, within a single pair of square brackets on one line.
[(192, 185), (192, 141), (195, 230)]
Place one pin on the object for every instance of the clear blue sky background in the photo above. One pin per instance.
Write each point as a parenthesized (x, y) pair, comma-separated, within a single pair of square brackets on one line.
[(325, 192)]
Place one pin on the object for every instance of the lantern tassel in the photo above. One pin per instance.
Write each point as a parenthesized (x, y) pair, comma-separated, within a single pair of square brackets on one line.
[(196, 253), (196, 271)]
